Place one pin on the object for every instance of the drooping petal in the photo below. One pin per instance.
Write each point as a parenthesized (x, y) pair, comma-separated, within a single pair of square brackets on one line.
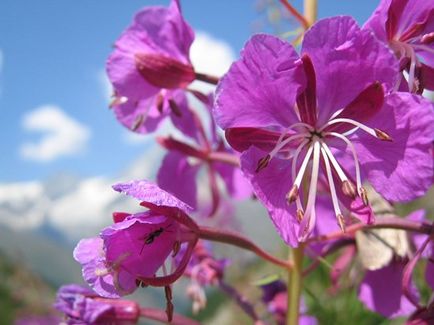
[(178, 177), (147, 191), (271, 186), (381, 291), (401, 169), (260, 88), (346, 60)]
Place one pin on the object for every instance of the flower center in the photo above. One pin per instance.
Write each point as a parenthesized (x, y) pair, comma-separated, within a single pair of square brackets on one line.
[(313, 141)]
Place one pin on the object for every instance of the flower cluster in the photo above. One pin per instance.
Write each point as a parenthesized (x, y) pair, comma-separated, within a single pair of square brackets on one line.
[(310, 132)]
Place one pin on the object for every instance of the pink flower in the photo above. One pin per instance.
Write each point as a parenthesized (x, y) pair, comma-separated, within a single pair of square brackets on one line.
[(131, 251), (149, 64), (408, 28), (329, 113)]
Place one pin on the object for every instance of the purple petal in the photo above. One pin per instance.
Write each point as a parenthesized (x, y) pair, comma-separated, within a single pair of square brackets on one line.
[(149, 192), (260, 88), (401, 169), (346, 60), (236, 184), (271, 185), (90, 253), (140, 244), (178, 177), (381, 291), (184, 120), (140, 116)]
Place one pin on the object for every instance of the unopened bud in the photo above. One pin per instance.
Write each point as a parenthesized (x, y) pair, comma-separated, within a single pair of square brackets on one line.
[(364, 196), (262, 163), (341, 222), (164, 72), (382, 135), (349, 189), (292, 194)]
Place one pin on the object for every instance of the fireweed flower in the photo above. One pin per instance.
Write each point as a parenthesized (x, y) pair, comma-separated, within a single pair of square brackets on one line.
[(203, 270), (407, 26), (275, 297), (329, 112), (131, 251), (149, 63), (82, 306), (203, 147)]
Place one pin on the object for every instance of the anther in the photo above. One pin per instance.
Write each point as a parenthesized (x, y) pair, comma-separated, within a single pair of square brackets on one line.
[(262, 163), (118, 100), (382, 135), (137, 122), (300, 215), (364, 195), (175, 108), (349, 189), (160, 102), (292, 194), (341, 222), (176, 248)]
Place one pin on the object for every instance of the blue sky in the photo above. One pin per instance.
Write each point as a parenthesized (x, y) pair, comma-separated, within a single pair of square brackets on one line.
[(53, 53)]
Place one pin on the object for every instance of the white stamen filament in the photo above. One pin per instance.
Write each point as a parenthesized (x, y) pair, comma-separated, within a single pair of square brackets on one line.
[(335, 163), (331, 183), (294, 167), (303, 166), (365, 128), (423, 48), (310, 215), (411, 73), (283, 143), (355, 157)]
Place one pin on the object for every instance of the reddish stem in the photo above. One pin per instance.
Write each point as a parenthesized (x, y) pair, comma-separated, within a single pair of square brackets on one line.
[(384, 222), (207, 78), (239, 241), (160, 315), (295, 13)]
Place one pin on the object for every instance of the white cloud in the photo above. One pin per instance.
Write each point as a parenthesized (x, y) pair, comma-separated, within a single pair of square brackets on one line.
[(23, 205), (210, 55), (62, 135)]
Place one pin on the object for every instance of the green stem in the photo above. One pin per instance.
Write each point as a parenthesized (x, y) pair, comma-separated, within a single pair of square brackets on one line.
[(294, 285)]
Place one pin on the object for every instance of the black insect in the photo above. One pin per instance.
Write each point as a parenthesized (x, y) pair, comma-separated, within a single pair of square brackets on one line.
[(149, 239)]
